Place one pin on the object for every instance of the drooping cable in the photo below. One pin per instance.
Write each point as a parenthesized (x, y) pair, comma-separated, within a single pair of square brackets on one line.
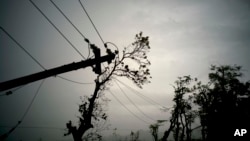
[(113, 45), (116, 51), (74, 81), (134, 103), (12, 91), (32, 101), (128, 109), (57, 29), (85, 39), (35, 127), (140, 94), (4, 136)]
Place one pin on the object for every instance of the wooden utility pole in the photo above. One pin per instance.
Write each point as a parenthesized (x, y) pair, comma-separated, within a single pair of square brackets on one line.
[(58, 70)]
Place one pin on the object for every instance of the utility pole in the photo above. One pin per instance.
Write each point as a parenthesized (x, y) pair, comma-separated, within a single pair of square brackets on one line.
[(59, 70)]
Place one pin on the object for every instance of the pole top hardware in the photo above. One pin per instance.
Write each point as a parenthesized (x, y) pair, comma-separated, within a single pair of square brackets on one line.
[(97, 52)]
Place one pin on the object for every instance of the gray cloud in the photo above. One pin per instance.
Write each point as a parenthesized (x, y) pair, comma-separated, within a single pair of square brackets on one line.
[(186, 37)]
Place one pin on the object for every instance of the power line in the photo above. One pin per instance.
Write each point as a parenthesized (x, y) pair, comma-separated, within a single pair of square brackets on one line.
[(68, 19), (105, 45), (134, 103), (92, 22), (4, 136), (26, 51), (74, 81), (11, 91), (113, 45), (13, 39), (34, 59), (57, 29), (35, 127), (140, 94), (128, 108), (29, 106), (85, 39)]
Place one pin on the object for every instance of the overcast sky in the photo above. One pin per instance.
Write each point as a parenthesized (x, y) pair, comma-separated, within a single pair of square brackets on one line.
[(186, 37)]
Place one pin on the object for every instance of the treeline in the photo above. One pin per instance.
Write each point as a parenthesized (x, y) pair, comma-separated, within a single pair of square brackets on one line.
[(222, 106)]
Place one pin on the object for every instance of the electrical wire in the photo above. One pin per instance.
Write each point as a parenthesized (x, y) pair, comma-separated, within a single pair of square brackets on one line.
[(35, 127), (85, 39), (33, 99), (4, 136), (140, 94), (57, 29), (12, 91), (105, 45), (92, 22), (117, 51), (74, 81), (34, 59), (113, 45), (128, 109), (134, 103), (13, 39)]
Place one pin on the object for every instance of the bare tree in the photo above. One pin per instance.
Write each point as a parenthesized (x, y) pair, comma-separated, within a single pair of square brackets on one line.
[(135, 54)]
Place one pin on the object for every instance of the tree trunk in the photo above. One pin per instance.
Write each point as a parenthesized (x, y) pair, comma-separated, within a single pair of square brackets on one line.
[(166, 133), (86, 123), (183, 129)]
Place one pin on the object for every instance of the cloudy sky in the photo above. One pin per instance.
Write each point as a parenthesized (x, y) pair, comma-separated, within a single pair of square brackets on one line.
[(186, 37)]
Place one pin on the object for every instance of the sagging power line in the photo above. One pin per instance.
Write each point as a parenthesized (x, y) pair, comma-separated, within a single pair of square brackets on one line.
[(5, 135), (11, 91), (136, 116), (149, 100), (36, 127), (134, 103)]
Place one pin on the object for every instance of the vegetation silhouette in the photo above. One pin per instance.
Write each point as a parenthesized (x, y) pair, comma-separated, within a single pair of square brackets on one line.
[(154, 129), (91, 110), (134, 136), (222, 105), (182, 114)]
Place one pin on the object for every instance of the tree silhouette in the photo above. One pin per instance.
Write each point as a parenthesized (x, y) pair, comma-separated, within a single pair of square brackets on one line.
[(224, 102), (138, 72), (134, 136), (223, 105), (182, 114), (154, 129), (100, 124)]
